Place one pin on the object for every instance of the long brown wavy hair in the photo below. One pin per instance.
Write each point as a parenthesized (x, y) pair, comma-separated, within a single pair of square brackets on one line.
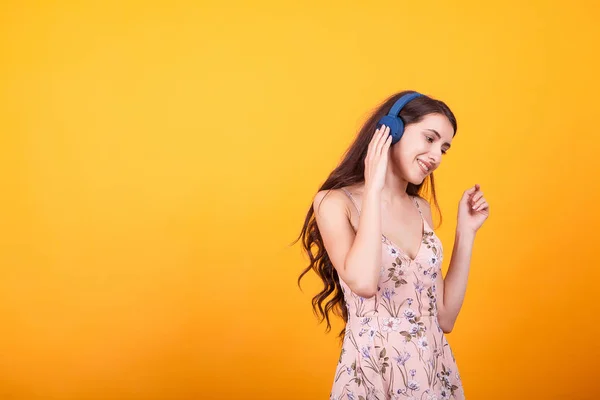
[(350, 171)]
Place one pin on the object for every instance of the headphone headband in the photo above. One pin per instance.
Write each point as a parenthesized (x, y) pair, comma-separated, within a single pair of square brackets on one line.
[(401, 102)]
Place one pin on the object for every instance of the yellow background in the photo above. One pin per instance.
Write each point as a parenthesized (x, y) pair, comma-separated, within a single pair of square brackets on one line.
[(158, 158)]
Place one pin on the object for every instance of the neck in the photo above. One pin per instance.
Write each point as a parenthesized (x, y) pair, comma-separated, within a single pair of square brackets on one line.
[(394, 188)]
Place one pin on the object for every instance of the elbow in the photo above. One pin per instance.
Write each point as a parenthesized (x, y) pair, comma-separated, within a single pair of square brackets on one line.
[(445, 324), (365, 290), (446, 329), (362, 284), (367, 294)]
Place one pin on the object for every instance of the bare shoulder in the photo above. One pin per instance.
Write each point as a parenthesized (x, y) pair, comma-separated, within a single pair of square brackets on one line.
[(425, 208), (332, 215), (330, 201), (423, 203)]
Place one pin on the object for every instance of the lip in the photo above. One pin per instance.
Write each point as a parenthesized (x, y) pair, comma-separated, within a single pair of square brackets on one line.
[(422, 169), (428, 164)]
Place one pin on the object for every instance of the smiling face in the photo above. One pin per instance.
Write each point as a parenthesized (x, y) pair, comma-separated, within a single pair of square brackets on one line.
[(420, 150)]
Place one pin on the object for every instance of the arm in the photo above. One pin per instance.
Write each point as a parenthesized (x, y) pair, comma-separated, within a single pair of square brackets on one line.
[(450, 292), (454, 286), (355, 256)]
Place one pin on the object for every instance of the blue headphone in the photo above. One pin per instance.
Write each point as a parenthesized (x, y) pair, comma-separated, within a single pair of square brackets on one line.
[(393, 119)]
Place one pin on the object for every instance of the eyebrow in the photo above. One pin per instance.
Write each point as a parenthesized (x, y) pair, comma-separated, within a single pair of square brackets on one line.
[(439, 136)]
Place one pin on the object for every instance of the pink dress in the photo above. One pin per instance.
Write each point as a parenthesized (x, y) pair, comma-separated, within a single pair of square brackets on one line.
[(393, 346)]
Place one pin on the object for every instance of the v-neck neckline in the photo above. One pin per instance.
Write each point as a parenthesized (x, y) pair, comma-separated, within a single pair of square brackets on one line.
[(395, 245), (423, 232)]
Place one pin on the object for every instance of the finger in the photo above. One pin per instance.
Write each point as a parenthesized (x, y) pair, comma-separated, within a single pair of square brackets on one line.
[(386, 136), (388, 141), (478, 204), (376, 134), (375, 138), (478, 195), (472, 190), (386, 145), (482, 206), (372, 140), (381, 141)]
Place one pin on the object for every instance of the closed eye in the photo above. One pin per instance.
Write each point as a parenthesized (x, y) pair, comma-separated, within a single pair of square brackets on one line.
[(431, 140), (439, 137)]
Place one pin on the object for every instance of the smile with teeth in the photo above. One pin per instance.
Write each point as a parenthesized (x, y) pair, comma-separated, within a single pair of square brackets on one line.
[(423, 166)]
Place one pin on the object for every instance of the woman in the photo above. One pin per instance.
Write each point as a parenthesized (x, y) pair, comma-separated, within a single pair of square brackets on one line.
[(380, 259)]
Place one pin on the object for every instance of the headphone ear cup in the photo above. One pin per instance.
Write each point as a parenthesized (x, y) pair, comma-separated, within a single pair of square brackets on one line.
[(396, 127)]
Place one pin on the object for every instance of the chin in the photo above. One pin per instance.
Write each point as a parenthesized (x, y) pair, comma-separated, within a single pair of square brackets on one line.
[(417, 179)]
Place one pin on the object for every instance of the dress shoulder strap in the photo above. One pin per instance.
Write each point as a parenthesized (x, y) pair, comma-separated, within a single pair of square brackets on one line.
[(417, 205), (352, 198), (358, 208)]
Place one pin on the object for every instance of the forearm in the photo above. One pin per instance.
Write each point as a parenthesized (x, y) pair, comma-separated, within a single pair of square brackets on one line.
[(455, 282), (363, 262)]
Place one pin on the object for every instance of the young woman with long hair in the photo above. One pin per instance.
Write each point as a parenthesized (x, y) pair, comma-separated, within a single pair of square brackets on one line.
[(369, 236)]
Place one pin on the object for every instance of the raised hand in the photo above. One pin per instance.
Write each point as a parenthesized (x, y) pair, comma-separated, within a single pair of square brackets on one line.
[(473, 210), (377, 157)]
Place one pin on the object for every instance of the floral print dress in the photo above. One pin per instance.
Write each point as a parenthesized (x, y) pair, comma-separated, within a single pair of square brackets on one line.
[(393, 346)]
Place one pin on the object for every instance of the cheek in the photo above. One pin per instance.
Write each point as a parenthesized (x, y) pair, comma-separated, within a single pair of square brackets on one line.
[(402, 157), (397, 154), (406, 151)]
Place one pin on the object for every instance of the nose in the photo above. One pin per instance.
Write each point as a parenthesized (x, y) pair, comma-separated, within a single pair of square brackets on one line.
[(435, 159)]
